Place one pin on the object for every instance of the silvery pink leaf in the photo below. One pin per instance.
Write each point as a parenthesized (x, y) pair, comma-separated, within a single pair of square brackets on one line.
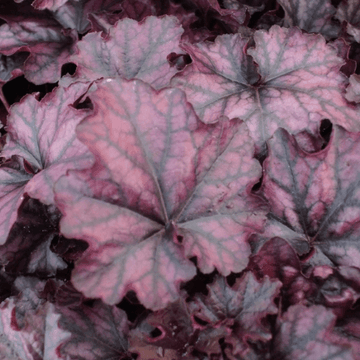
[(241, 307), (307, 333), (42, 132), (311, 15), (133, 50), (165, 188), (96, 333), (299, 82), (48, 45), (316, 195)]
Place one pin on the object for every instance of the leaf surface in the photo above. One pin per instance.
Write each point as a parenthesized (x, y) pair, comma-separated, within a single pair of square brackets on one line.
[(349, 11), (241, 307), (43, 133), (311, 16), (49, 47), (298, 82), (13, 179), (132, 49), (96, 333), (306, 333), (316, 195), (163, 188)]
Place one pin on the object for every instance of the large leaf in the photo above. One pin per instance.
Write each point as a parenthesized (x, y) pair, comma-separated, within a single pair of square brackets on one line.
[(299, 84), (43, 134), (316, 195), (96, 333), (306, 333), (133, 50), (311, 16), (48, 45), (164, 188)]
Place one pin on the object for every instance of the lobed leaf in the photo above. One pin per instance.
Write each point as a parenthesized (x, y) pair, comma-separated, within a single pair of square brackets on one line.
[(306, 333), (164, 186), (298, 82), (133, 50), (316, 195)]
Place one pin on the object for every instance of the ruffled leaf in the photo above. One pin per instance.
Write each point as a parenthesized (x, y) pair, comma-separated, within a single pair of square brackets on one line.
[(300, 82), (164, 188), (133, 50)]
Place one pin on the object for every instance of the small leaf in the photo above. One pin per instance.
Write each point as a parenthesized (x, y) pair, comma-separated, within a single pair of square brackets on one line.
[(133, 50)]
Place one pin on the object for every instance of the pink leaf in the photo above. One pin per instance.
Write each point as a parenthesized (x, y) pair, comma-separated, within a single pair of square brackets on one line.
[(49, 46), (241, 307), (300, 82), (164, 187), (133, 50), (306, 333), (43, 134), (316, 195), (96, 333), (51, 5)]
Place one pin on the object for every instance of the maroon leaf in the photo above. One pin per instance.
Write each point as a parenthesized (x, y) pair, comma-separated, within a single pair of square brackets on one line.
[(307, 333), (300, 82), (315, 195), (48, 45), (311, 16), (97, 332), (242, 308), (165, 188), (43, 134), (134, 50)]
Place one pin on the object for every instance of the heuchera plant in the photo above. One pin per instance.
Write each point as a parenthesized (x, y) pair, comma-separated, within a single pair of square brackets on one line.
[(180, 179)]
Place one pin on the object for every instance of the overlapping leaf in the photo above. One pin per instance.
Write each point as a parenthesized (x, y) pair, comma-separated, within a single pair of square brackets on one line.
[(240, 308), (42, 133), (317, 195), (165, 188), (299, 82), (96, 333), (306, 333), (311, 16), (48, 45), (132, 49)]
